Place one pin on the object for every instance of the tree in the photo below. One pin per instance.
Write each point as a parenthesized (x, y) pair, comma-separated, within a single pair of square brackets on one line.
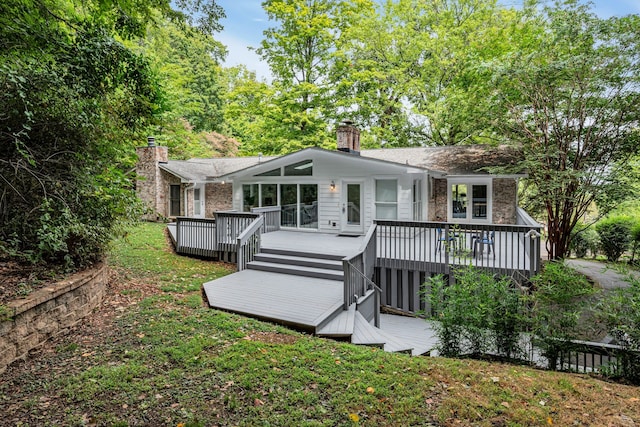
[(300, 52), (74, 100), (410, 72), (570, 91)]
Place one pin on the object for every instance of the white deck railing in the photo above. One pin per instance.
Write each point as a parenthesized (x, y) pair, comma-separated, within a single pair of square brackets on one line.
[(358, 270), (248, 243), (272, 217), (503, 249)]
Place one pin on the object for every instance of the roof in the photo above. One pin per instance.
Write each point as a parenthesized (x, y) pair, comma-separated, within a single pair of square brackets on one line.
[(446, 160), (202, 170), (453, 159), (279, 161)]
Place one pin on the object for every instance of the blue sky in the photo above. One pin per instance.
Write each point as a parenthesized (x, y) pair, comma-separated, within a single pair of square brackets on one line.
[(246, 21)]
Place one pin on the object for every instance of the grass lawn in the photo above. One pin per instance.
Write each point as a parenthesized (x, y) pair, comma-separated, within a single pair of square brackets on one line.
[(153, 355)]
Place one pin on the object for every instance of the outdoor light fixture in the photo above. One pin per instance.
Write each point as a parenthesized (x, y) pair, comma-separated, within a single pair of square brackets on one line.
[(332, 186)]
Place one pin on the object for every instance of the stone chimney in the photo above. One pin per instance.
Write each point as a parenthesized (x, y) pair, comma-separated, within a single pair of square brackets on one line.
[(149, 179), (348, 138)]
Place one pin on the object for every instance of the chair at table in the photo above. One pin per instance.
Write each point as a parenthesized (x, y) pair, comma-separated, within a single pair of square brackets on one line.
[(485, 238), (443, 238)]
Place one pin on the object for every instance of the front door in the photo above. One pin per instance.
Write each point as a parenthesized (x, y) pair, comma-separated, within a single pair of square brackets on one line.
[(352, 212), (198, 202)]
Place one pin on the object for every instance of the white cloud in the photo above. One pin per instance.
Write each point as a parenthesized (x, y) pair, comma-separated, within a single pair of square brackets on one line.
[(239, 54)]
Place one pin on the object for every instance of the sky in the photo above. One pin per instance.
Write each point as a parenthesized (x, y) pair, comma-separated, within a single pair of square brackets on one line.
[(246, 21)]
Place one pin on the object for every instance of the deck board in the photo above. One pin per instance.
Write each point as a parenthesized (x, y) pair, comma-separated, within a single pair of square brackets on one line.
[(301, 301), (412, 330)]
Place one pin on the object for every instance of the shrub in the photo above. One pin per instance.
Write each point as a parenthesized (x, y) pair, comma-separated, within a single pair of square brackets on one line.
[(620, 312), (556, 304), (476, 315), (584, 239), (635, 239), (615, 236)]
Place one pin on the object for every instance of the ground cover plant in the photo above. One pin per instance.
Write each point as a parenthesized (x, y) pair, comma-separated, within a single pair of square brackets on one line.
[(153, 355)]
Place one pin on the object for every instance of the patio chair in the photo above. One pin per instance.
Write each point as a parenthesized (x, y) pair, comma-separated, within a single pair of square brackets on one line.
[(485, 238), (442, 237)]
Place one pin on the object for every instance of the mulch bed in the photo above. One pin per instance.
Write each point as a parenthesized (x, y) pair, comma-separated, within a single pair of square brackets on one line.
[(19, 280)]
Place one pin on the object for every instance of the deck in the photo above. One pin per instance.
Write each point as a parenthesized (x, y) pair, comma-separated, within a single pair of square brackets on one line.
[(302, 302)]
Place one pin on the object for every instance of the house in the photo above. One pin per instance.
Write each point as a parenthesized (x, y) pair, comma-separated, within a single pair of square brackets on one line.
[(323, 239), (341, 191)]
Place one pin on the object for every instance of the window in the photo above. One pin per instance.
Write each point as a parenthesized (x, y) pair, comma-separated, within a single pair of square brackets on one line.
[(479, 202), (417, 200), (268, 195), (386, 199), (249, 197), (299, 205), (304, 168), (470, 201), (272, 172), (459, 200), (174, 200)]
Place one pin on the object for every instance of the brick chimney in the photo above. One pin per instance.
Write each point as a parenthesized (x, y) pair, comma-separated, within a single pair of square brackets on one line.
[(148, 181), (348, 138)]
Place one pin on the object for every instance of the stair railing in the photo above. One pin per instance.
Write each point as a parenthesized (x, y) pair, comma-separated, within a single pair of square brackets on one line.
[(359, 268), (354, 275), (248, 243)]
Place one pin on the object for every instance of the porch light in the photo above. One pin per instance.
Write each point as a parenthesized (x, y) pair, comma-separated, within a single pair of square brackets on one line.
[(332, 186)]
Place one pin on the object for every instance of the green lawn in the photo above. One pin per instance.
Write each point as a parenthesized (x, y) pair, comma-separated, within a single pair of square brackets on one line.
[(153, 355)]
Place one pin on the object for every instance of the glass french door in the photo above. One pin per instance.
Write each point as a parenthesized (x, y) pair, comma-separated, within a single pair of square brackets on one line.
[(299, 204)]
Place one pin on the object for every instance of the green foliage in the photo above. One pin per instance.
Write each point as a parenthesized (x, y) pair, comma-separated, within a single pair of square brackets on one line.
[(620, 312), (569, 91), (557, 303), (615, 236), (477, 314), (584, 239)]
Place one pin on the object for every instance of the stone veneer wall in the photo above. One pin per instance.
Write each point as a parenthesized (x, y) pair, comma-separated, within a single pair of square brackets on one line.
[(166, 179), (503, 206), (505, 196), (149, 182), (49, 311), (438, 205), (218, 197)]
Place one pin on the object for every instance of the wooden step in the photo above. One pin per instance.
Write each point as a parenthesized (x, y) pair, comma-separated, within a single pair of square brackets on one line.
[(296, 270), (340, 325), (300, 260), (364, 333), (286, 252)]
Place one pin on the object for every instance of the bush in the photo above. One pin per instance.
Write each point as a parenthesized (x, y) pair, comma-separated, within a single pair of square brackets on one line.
[(615, 236), (620, 312), (584, 239), (476, 315), (635, 239), (556, 304)]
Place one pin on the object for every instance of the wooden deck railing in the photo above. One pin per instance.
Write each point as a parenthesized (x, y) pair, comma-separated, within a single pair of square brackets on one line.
[(503, 249), (229, 225), (196, 236), (248, 243), (358, 273), (212, 238), (272, 215)]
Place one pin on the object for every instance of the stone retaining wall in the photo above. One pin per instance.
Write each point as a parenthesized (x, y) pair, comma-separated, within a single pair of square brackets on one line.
[(50, 311)]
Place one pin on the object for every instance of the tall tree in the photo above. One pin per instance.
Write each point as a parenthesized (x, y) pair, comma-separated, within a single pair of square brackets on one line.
[(410, 71), (571, 92), (300, 52)]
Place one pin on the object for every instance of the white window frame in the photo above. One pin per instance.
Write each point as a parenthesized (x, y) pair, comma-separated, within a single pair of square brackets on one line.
[(469, 182), (377, 203)]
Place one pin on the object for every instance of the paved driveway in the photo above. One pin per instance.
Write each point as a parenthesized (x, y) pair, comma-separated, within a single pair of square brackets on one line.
[(600, 273)]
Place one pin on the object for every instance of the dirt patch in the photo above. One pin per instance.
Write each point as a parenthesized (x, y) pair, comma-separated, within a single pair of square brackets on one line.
[(271, 338), (19, 280)]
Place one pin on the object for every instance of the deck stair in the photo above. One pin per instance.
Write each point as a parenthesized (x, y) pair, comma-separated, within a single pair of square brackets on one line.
[(305, 264)]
